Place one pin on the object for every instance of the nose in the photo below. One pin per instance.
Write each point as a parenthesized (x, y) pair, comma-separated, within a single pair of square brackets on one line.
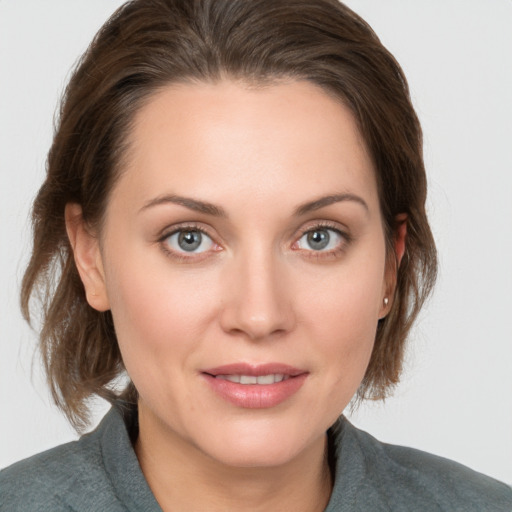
[(257, 301)]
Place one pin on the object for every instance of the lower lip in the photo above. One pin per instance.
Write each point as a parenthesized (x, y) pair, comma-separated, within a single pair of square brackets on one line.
[(256, 396)]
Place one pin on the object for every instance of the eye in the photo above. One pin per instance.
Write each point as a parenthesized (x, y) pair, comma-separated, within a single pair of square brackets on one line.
[(320, 239), (190, 241)]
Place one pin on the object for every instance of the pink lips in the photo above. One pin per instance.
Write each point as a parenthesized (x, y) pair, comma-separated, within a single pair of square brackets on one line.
[(255, 396)]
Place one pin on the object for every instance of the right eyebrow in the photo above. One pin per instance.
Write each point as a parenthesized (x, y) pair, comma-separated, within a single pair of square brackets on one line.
[(192, 204)]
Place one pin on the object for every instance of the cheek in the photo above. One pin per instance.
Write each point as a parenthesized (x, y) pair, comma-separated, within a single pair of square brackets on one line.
[(343, 317), (347, 299), (340, 332), (157, 312), (346, 334)]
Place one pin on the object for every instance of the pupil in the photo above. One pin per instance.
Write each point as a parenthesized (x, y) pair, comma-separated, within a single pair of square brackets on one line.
[(318, 239), (189, 240)]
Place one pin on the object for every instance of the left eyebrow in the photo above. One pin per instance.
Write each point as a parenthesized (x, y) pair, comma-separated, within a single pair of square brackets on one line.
[(328, 200)]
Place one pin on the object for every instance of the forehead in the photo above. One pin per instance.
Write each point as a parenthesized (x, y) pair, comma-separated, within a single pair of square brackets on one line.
[(289, 140)]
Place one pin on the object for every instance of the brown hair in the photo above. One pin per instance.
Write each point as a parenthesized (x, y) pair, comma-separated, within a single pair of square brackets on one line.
[(147, 44)]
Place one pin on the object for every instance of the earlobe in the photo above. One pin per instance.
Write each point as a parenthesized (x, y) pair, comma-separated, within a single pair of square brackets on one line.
[(86, 252)]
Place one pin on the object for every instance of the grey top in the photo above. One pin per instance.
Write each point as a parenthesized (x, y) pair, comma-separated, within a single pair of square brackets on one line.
[(100, 472)]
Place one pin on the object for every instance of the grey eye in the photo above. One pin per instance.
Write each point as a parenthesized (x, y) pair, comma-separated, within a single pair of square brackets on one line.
[(189, 241), (320, 239)]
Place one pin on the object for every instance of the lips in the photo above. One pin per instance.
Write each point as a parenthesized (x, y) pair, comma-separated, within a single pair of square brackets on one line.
[(255, 386)]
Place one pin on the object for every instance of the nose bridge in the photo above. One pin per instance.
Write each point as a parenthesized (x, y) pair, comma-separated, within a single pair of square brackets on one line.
[(258, 305)]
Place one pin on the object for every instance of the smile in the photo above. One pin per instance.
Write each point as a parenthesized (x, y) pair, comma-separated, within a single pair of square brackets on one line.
[(255, 386), (252, 379)]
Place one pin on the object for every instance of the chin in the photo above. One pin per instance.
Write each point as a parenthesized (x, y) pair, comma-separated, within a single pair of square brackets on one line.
[(260, 445), (254, 456)]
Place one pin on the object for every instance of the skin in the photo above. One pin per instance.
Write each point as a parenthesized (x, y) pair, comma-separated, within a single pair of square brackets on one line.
[(256, 291)]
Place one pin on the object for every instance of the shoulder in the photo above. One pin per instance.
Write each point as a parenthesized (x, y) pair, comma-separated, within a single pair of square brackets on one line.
[(410, 479), (59, 479), (40, 482)]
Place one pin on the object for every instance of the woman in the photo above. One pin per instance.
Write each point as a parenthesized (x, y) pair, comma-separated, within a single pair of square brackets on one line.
[(235, 197)]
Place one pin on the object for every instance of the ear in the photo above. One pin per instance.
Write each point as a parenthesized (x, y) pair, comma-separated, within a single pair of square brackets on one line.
[(86, 251), (399, 240), (400, 236)]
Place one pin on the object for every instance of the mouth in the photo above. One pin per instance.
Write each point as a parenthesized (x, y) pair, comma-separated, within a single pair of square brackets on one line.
[(264, 380), (255, 386)]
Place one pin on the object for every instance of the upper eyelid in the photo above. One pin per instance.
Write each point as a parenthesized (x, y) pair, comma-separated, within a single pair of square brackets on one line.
[(323, 224), (186, 226)]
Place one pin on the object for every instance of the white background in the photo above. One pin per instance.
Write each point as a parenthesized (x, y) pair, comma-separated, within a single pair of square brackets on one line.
[(455, 396)]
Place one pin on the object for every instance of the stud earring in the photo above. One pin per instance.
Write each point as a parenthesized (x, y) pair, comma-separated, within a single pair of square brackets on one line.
[(386, 301)]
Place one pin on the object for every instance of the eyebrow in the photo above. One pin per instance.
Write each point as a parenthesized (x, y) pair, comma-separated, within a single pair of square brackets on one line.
[(321, 202), (187, 202), (217, 211)]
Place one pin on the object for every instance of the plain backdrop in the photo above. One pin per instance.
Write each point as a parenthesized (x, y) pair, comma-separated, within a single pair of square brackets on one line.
[(455, 395)]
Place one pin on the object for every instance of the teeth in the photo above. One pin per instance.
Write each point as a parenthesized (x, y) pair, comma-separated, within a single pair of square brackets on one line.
[(231, 378), (248, 379), (265, 379), (251, 379)]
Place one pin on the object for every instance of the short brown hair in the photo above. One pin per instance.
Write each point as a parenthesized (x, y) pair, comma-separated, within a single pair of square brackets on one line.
[(147, 44)]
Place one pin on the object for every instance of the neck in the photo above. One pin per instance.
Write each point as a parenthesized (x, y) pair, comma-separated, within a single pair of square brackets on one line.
[(183, 478)]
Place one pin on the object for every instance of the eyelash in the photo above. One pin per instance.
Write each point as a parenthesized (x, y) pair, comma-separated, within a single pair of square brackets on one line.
[(329, 254), (183, 256), (318, 226)]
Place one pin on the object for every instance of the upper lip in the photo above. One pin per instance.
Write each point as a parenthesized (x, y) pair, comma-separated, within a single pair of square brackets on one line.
[(255, 370)]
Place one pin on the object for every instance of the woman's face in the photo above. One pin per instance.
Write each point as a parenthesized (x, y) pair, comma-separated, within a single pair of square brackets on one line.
[(243, 258)]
